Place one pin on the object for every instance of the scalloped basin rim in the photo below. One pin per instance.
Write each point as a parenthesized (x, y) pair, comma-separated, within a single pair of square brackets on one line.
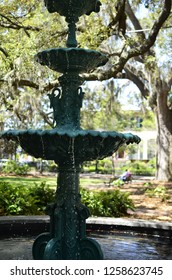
[(62, 145), (71, 59), (127, 137), (72, 49)]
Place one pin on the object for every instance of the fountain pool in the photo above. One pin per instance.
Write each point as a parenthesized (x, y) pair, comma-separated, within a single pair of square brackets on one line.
[(120, 239)]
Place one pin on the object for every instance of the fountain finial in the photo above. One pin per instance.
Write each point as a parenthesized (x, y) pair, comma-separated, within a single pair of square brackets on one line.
[(72, 10)]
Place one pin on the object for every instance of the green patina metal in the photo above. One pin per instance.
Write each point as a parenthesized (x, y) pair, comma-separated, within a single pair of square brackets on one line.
[(68, 144)]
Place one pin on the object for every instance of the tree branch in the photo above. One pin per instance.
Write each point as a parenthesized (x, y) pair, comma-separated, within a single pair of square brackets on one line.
[(119, 19), (10, 23), (149, 42), (135, 51), (137, 81), (32, 84), (133, 18), (4, 51)]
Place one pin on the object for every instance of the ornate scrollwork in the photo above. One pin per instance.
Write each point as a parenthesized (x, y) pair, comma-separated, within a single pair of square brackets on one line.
[(39, 245), (90, 250), (53, 250)]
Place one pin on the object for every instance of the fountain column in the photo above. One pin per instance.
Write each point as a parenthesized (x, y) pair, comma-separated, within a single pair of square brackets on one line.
[(67, 238), (68, 216)]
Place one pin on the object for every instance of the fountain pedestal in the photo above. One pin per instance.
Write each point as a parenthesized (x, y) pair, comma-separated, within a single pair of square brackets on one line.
[(67, 238)]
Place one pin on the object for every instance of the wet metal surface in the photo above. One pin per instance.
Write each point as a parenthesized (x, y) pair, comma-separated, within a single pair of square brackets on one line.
[(114, 246)]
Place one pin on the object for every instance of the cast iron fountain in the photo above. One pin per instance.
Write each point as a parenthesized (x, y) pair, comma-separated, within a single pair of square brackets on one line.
[(68, 144)]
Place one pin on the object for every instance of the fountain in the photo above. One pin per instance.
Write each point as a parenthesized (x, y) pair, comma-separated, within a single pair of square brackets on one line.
[(68, 144)]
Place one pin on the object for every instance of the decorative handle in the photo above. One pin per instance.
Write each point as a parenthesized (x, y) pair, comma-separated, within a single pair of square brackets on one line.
[(54, 97), (54, 92), (80, 91)]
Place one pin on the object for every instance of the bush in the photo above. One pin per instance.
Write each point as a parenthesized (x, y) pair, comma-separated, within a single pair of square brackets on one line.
[(103, 166), (159, 191), (140, 167), (118, 183), (23, 200), (112, 203), (52, 166), (14, 167)]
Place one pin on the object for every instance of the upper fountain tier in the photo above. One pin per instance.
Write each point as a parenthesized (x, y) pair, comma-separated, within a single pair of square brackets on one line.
[(72, 59), (72, 9), (65, 60)]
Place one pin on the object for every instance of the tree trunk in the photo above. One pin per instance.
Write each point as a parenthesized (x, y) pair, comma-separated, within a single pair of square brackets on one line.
[(164, 154), (164, 138)]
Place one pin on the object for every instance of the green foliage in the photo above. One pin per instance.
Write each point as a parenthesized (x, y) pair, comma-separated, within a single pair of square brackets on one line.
[(23, 200), (159, 191), (52, 166), (150, 62), (140, 167), (148, 184), (112, 203), (148, 120), (118, 183), (103, 166), (26, 27), (102, 106), (43, 195), (13, 167)]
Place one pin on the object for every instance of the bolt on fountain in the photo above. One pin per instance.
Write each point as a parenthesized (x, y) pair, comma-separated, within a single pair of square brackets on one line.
[(68, 144)]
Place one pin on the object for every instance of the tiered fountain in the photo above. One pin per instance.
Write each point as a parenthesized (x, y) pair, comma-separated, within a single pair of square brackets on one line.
[(68, 144)]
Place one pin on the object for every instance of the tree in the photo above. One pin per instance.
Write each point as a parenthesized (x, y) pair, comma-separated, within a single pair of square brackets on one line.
[(138, 59), (154, 82), (103, 108), (131, 55), (25, 29)]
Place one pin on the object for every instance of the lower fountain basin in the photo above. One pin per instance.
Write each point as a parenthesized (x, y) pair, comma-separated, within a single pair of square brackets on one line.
[(76, 60), (120, 239), (116, 246), (61, 145)]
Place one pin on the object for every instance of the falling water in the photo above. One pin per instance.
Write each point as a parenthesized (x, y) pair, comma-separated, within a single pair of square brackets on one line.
[(49, 59), (43, 147), (70, 7), (68, 63), (18, 140)]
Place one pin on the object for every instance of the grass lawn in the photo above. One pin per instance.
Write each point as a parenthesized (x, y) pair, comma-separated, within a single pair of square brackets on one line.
[(51, 181), (28, 181)]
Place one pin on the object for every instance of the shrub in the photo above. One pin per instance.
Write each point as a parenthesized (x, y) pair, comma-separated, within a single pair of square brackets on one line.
[(159, 191), (16, 168), (118, 183), (112, 203), (52, 166), (23, 200), (140, 167), (103, 166)]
